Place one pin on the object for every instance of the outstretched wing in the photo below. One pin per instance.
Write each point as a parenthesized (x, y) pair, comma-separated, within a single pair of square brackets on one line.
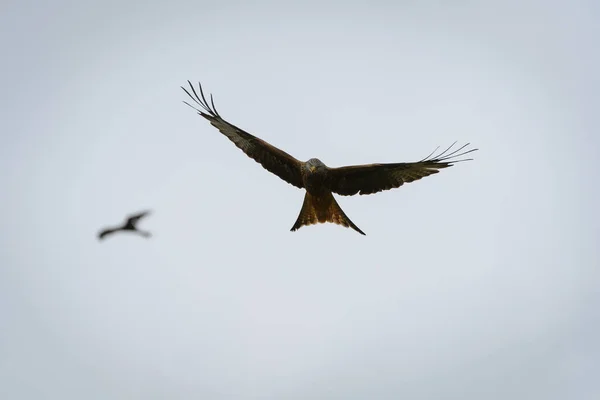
[(134, 218), (270, 157), (373, 178), (108, 231)]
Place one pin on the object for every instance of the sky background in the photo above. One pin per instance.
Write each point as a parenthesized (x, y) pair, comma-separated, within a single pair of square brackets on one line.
[(480, 282)]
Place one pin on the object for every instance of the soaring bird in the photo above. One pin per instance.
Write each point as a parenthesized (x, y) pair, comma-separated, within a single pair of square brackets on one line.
[(319, 180), (130, 224)]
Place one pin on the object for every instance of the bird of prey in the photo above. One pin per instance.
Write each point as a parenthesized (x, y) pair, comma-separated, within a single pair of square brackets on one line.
[(319, 180), (129, 225)]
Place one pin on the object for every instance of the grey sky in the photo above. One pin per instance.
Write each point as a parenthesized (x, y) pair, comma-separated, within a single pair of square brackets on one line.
[(480, 282)]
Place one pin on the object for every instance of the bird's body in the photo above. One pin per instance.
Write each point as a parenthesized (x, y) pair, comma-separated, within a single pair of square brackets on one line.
[(314, 177), (319, 205), (319, 180), (130, 225)]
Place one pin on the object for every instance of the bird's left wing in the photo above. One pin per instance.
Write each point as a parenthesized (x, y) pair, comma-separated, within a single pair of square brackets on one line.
[(105, 232), (270, 157), (373, 178)]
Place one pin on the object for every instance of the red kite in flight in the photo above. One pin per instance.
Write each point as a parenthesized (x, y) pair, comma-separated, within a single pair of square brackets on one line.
[(319, 180)]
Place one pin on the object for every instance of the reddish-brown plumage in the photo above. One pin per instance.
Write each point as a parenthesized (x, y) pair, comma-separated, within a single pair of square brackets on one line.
[(321, 209), (319, 180)]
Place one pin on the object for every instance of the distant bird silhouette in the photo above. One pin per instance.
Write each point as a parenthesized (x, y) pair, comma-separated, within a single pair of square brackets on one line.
[(128, 225)]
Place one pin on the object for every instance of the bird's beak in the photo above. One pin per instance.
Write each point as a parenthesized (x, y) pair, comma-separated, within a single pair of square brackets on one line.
[(312, 168)]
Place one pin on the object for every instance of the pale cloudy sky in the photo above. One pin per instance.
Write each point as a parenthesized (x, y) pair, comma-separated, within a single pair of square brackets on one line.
[(478, 283)]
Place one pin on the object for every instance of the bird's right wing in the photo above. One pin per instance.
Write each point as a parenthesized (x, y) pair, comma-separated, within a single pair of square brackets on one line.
[(270, 157), (134, 218), (373, 178)]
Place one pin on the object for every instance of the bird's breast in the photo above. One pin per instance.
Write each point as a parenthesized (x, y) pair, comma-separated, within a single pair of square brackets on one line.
[(314, 183)]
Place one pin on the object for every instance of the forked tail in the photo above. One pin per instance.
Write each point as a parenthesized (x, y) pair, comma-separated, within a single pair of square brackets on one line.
[(321, 209)]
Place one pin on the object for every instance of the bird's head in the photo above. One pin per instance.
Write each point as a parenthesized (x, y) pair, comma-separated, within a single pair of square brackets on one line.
[(315, 165)]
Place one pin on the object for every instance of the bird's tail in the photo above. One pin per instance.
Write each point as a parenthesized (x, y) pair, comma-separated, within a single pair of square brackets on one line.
[(321, 209)]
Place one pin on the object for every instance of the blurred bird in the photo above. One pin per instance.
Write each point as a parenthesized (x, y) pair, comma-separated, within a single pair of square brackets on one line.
[(319, 180), (129, 225)]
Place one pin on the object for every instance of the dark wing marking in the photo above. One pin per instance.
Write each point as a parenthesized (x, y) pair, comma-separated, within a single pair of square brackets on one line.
[(270, 157), (373, 178), (134, 218)]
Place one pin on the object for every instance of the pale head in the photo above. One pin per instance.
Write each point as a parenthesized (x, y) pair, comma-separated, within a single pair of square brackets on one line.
[(314, 165)]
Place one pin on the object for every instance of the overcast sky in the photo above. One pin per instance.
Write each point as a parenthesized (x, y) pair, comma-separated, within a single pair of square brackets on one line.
[(480, 282)]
